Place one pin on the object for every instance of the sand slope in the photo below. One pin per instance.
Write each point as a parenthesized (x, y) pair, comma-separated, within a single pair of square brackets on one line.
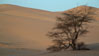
[(26, 27)]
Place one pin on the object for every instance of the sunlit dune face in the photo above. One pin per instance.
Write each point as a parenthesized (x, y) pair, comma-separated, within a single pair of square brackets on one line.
[(25, 32)]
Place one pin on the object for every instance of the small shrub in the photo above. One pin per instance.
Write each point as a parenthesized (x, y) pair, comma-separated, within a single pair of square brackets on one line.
[(82, 46)]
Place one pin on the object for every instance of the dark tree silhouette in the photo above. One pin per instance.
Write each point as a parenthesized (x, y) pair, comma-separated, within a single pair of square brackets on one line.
[(69, 28)]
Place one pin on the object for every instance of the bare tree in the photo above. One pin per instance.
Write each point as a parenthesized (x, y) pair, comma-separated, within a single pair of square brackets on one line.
[(69, 28)]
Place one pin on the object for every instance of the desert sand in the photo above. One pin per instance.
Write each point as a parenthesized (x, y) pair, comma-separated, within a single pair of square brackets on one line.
[(23, 30)]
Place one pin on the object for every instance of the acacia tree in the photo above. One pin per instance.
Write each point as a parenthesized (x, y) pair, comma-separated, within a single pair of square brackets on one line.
[(69, 28)]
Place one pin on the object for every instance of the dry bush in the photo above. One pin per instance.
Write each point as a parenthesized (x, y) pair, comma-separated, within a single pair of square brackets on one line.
[(82, 46)]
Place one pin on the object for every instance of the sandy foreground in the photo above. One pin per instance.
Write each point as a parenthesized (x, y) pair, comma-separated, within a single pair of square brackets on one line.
[(30, 52), (73, 53)]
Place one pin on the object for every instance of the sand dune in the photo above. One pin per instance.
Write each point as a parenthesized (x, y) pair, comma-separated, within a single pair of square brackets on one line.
[(27, 27)]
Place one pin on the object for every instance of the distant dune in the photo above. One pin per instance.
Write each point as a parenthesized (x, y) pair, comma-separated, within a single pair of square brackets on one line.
[(27, 27)]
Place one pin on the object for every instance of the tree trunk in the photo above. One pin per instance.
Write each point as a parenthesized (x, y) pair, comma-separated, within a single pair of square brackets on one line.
[(74, 41), (74, 45)]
